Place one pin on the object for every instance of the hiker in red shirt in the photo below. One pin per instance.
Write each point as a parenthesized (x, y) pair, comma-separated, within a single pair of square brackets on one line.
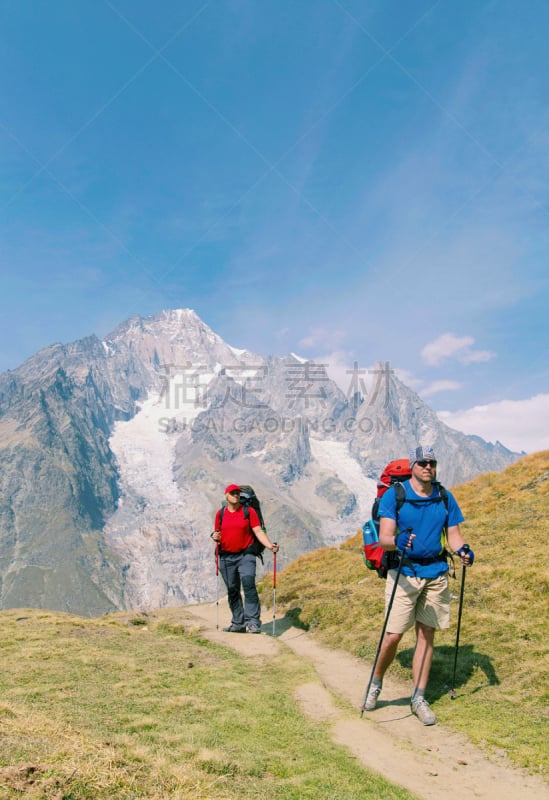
[(235, 535)]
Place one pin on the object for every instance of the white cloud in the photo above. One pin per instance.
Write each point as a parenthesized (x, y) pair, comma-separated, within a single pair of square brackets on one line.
[(450, 346), (517, 424), (308, 341), (409, 379), (440, 386), (340, 368), (476, 356), (322, 337)]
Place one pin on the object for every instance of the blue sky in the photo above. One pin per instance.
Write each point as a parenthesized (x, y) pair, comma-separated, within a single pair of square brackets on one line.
[(351, 181)]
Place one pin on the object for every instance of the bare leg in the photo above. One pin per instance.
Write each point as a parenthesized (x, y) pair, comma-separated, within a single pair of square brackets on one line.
[(423, 656), (387, 653)]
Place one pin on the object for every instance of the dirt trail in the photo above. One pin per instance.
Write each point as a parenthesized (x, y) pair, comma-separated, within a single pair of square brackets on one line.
[(432, 762)]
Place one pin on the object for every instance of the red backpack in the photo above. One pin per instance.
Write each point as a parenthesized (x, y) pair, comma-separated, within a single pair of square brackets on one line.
[(394, 473)]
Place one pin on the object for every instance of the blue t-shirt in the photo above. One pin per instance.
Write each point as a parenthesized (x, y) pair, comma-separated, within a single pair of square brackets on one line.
[(427, 520)]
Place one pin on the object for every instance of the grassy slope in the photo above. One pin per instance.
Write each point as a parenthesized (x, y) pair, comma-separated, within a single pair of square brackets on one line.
[(118, 708), (502, 674)]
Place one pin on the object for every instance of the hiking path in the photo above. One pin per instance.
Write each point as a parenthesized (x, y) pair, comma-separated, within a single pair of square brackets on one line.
[(433, 762)]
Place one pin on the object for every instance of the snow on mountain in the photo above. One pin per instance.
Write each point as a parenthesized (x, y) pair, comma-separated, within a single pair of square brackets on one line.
[(145, 453), (334, 456), (144, 447)]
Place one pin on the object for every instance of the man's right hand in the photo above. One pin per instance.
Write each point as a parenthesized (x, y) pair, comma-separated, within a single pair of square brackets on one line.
[(404, 540)]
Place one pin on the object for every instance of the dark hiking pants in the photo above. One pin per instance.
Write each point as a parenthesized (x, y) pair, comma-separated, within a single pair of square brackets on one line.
[(238, 572)]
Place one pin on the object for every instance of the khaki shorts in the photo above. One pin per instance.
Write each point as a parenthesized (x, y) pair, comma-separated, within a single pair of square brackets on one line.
[(425, 600)]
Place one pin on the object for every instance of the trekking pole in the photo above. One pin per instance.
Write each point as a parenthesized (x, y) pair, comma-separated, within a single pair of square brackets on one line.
[(463, 568), (385, 621), (274, 593), (217, 586)]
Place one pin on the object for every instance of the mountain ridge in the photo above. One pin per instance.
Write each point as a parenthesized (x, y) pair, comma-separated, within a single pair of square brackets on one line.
[(115, 453)]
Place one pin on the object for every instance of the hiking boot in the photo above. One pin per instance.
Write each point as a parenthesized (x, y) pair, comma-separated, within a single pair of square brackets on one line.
[(254, 629), (422, 710), (371, 700), (235, 629)]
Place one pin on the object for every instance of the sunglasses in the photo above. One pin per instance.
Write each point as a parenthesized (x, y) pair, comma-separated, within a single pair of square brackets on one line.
[(426, 463), (236, 494)]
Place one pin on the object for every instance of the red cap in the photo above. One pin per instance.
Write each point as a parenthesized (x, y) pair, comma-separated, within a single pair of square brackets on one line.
[(232, 487)]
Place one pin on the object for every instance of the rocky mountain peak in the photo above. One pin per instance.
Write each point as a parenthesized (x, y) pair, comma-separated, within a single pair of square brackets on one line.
[(115, 454)]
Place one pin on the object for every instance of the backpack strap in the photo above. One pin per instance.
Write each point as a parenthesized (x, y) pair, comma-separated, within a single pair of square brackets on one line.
[(443, 493), (401, 497), (447, 551), (400, 493)]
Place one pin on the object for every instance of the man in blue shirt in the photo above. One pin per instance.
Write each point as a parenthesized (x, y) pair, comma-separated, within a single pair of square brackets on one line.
[(422, 596)]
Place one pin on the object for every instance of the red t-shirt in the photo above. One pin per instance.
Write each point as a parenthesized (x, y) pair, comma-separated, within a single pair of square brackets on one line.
[(236, 534)]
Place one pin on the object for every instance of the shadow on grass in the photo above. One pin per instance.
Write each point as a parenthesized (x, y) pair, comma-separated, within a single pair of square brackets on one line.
[(289, 620), (442, 670)]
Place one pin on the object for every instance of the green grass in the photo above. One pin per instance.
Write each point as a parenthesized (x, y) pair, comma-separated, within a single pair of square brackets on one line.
[(114, 708), (502, 675)]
